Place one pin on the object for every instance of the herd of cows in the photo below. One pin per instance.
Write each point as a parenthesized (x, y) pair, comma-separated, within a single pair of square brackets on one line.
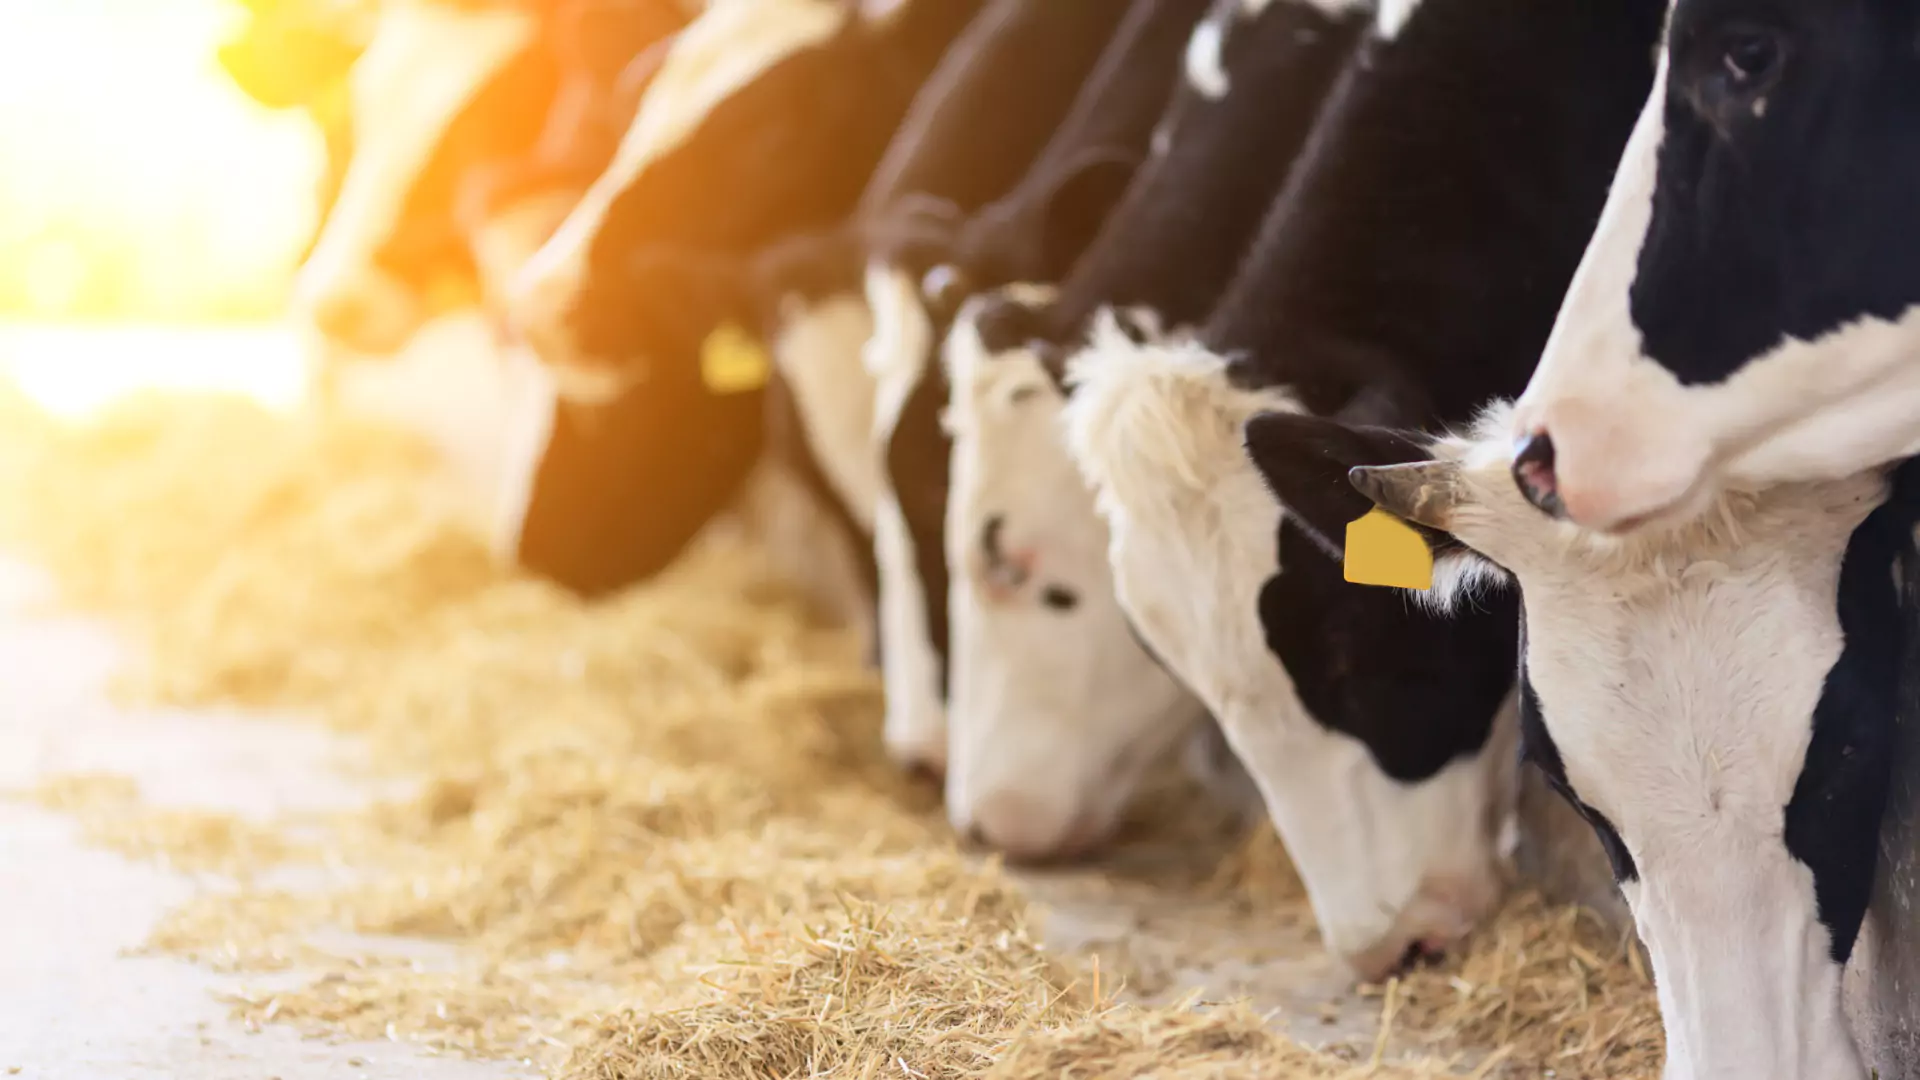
[(1057, 343)]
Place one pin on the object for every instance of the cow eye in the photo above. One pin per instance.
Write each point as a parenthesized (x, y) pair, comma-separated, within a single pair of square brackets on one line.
[(1732, 72), (1750, 56)]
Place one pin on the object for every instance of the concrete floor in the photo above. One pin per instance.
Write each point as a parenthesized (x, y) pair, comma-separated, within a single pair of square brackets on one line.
[(72, 1007)]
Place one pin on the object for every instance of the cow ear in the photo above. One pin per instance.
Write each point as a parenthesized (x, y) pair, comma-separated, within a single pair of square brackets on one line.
[(1305, 461)]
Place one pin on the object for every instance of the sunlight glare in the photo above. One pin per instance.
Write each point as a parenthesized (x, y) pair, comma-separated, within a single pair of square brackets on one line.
[(139, 181)]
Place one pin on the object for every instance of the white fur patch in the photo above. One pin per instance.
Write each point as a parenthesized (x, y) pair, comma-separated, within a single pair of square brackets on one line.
[(1157, 431), (897, 358), (818, 351), (1055, 715), (1393, 17), (716, 55), (1206, 67), (424, 66), (1678, 669), (527, 427)]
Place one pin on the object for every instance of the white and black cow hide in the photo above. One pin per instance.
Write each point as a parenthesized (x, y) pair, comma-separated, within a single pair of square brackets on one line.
[(1410, 273), (765, 119), (1057, 710), (1717, 698), (1749, 310)]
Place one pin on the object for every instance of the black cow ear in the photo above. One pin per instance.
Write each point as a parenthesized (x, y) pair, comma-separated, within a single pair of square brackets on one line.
[(1305, 461)]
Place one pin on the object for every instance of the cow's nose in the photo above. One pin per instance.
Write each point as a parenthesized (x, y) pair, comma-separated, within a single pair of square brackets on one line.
[(1533, 472), (1030, 830), (924, 760), (339, 315), (357, 319)]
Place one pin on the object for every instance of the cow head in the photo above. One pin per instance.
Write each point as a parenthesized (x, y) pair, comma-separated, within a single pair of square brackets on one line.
[(1746, 313), (1715, 697), (441, 91), (1370, 727), (591, 302), (1057, 711)]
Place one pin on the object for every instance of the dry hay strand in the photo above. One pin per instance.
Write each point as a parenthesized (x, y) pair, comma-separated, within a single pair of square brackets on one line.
[(1548, 987), (659, 827), (935, 987), (1188, 1042), (112, 816)]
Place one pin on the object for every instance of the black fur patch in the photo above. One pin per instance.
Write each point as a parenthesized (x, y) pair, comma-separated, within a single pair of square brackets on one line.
[(1784, 204), (1419, 690), (1833, 821)]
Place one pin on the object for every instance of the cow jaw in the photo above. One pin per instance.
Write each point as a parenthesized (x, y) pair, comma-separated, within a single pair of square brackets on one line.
[(425, 65), (1388, 866), (897, 357), (1056, 710)]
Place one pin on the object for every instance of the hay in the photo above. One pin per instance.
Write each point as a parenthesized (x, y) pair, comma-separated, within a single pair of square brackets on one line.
[(191, 841), (658, 829)]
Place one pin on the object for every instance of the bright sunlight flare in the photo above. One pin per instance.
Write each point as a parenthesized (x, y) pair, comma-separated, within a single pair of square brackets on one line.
[(139, 182)]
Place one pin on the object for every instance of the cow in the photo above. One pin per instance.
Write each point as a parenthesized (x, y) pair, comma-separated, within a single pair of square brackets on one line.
[(1002, 95), (764, 122), (1056, 710), (1715, 696), (1408, 274), (1036, 230), (1748, 308), (444, 96)]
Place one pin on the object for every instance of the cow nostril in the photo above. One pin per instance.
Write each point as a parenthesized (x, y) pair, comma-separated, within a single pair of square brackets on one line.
[(1533, 473)]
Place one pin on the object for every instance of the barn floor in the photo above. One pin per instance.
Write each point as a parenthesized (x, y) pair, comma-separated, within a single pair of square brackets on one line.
[(73, 1006), (74, 1003)]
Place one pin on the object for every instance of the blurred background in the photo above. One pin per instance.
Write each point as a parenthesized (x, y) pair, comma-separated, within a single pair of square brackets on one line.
[(141, 184), (152, 214)]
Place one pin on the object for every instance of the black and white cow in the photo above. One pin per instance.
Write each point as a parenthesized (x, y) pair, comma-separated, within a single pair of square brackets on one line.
[(1409, 274), (765, 120), (1035, 231), (1749, 311), (445, 96), (1056, 710), (1716, 697), (1011, 88)]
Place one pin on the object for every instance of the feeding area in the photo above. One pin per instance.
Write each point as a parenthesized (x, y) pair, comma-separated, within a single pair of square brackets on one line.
[(936, 540)]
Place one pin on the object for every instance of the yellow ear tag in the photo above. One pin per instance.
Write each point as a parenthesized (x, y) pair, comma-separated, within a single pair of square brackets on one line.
[(732, 362), (1383, 550)]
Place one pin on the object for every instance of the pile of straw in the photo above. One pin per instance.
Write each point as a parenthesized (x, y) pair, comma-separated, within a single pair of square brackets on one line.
[(657, 830)]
